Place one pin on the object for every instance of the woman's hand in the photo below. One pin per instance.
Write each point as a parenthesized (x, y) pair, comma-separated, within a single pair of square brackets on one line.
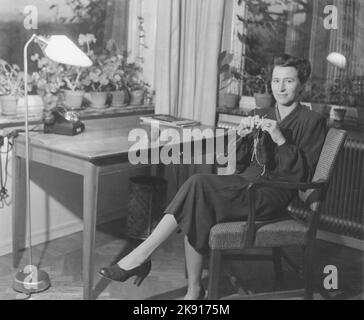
[(247, 125), (272, 128)]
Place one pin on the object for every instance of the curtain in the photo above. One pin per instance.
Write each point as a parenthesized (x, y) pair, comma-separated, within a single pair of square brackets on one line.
[(187, 48), (188, 42), (116, 22)]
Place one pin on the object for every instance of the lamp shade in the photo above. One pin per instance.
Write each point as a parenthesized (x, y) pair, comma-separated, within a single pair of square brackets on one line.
[(337, 59), (61, 49)]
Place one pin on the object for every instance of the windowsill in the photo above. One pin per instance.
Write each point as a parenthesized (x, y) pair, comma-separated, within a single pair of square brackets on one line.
[(353, 125), (85, 114)]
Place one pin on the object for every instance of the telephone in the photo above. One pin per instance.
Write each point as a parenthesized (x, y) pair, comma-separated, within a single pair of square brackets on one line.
[(62, 121)]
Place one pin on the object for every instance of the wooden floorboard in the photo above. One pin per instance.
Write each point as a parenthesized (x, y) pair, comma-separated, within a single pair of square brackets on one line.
[(62, 259)]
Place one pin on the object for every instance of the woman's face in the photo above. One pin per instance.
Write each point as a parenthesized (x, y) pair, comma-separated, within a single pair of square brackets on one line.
[(286, 86)]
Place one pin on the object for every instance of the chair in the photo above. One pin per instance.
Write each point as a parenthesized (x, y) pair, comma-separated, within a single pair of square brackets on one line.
[(300, 229)]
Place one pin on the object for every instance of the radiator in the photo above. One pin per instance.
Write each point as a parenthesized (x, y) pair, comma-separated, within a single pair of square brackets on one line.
[(343, 209)]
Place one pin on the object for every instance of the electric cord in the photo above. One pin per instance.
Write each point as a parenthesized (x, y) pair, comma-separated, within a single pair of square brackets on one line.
[(8, 141)]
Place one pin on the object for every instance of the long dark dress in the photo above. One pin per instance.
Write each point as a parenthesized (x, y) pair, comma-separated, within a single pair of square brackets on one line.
[(206, 199)]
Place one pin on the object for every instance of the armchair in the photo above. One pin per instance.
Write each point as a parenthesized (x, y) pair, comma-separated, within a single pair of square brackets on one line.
[(251, 234)]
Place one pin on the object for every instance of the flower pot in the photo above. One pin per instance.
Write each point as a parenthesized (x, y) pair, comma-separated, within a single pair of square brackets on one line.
[(339, 114), (229, 100), (35, 104), (263, 100), (119, 98), (98, 100), (73, 99), (137, 97), (9, 105)]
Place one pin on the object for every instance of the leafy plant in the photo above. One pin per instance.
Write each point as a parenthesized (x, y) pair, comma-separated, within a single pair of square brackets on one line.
[(75, 77), (256, 76), (11, 79), (252, 83), (341, 92), (49, 77)]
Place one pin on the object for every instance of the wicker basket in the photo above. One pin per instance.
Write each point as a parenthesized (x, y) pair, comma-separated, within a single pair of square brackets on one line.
[(147, 201)]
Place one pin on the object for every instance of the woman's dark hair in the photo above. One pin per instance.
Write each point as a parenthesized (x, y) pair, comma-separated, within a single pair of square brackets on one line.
[(302, 66)]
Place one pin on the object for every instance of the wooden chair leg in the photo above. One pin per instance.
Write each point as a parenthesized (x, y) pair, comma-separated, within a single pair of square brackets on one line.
[(309, 272), (214, 274), (278, 270)]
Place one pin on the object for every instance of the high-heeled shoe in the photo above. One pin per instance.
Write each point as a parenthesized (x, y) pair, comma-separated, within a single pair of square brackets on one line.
[(116, 273)]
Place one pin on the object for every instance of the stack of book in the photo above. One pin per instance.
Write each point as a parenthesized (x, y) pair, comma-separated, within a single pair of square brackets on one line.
[(170, 121)]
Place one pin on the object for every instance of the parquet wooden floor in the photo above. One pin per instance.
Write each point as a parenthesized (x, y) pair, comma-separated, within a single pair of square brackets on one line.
[(62, 259)]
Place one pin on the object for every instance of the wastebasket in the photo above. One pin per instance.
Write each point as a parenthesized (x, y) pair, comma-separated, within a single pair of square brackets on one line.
[(147, 201)]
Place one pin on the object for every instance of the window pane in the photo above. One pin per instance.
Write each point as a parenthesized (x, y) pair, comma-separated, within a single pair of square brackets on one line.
[(105, 19), (311, 29)]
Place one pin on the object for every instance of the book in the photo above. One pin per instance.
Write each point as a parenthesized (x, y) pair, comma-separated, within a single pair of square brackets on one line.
[(170, 121)]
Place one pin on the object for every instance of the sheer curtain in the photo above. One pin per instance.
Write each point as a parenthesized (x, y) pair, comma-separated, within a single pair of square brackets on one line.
[(188, 43), (187, 48), (116, 22)]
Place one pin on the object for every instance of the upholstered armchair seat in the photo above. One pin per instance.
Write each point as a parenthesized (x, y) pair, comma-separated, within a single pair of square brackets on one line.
[(228, 236)]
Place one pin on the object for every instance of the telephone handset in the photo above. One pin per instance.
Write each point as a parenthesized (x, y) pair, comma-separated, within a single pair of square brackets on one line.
[(63, 121)]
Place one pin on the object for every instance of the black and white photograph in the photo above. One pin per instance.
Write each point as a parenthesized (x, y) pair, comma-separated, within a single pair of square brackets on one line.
[(176, 150)]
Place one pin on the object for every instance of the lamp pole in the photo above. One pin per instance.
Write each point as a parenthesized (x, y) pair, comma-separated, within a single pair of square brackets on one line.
[(30, 279), (61, 50)]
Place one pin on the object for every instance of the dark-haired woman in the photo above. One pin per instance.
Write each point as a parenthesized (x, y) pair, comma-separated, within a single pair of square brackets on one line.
[(294, 140)]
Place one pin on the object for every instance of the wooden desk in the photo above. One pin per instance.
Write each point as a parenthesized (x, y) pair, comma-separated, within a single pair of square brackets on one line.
[(101, 150)]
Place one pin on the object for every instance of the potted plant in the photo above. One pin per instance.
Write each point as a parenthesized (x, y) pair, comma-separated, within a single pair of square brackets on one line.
[(114, 67), (73, 78), (259, 86), (341, 94), (137, 87), (11, 87), (47, 81), (97, 84), (228, 75), (255, 84), (97, 77)]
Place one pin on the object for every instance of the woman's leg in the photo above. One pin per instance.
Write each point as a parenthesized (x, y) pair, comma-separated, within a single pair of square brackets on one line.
[(194, 271), (162, 231)]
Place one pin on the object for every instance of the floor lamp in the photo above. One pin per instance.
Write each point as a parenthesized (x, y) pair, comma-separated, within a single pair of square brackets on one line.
[(62, 50)]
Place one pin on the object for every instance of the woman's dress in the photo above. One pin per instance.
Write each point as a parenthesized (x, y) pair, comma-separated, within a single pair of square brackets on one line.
[(206, 199)]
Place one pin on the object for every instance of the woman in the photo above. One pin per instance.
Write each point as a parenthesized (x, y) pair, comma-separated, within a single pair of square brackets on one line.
[(293, 138)]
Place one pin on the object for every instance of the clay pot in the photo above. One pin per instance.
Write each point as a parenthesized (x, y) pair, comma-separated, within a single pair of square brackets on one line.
[(98, 100), (137, 97), (73, 99), (229, 100), (9, 105), (339, 114), (119, 98), (263, 100)]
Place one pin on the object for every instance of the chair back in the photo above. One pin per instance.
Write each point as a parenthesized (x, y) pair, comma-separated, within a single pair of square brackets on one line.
[(333, 143)]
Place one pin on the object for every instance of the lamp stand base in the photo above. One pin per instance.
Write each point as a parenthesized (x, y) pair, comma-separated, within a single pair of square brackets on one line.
[(31, 282)]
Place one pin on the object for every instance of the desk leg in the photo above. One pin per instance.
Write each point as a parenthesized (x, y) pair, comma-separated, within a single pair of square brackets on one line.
[(90, 193), (18, 209)]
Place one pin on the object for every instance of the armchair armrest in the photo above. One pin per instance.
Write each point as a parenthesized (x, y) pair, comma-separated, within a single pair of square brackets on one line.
[(251, 224), (288, 185)]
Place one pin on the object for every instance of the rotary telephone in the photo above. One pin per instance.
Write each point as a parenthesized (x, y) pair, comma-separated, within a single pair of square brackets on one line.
[(62, 121)]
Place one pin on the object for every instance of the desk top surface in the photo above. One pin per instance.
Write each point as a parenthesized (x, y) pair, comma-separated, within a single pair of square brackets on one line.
[(104, 138)]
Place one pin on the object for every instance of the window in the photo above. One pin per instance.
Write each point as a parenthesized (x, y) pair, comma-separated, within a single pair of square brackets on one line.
[(311, 29), (105, 19)]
